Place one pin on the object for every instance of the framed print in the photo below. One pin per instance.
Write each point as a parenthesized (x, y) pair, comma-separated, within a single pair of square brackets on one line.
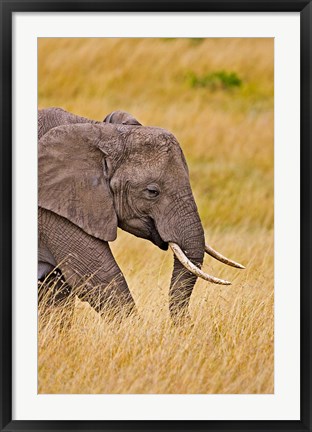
[(155, 215)]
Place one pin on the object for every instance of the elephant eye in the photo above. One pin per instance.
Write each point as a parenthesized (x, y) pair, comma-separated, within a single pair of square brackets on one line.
[(152, 191)]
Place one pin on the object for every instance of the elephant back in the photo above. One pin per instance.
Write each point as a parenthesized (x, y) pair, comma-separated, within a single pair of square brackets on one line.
[(50, 118)]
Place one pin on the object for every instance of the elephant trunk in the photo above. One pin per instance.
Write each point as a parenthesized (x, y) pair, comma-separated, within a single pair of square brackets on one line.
[(182, 280), (188, 234), (181, 228)]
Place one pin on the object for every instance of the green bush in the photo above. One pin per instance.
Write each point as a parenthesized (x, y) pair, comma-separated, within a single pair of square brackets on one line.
[(215, 80), (196, 41)]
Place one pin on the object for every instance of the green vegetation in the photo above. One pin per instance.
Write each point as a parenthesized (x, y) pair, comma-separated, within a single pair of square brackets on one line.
[(196, 41), (215, 80)]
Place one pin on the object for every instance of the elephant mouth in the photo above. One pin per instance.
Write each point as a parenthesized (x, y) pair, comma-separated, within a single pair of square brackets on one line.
[(144, 228), (155, 237)]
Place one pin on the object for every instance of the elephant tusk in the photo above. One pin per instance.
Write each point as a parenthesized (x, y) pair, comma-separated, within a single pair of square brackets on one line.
[(192, 267), (210, 251)]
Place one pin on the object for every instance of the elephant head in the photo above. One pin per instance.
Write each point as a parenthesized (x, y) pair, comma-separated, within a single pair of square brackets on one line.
[(100, 176)]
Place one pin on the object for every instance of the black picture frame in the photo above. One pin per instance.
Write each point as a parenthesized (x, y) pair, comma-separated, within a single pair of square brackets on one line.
[(7, 10)]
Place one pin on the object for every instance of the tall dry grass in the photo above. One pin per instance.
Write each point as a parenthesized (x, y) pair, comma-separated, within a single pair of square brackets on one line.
[(227, 137)]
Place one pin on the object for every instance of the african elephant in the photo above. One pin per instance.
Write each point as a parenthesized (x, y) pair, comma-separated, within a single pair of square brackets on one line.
[(96, 176)]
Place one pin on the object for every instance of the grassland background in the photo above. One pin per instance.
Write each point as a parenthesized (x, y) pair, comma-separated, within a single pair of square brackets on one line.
[(227, 137)]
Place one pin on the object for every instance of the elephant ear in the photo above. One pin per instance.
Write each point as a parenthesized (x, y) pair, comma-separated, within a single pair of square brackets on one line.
[(73, 179), (121, 117)]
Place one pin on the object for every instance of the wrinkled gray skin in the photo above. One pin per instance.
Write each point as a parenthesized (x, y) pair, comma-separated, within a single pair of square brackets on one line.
[(96, 176)]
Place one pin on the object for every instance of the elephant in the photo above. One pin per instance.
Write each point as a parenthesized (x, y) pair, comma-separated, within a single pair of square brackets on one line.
[(97, 176)]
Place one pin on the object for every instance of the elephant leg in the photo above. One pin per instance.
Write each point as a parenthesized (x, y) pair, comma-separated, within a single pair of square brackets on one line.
[(53, 289), (55, 293), (87, 264)]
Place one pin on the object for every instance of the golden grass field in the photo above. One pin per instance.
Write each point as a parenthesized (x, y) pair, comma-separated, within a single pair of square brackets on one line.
[(227, 137)]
